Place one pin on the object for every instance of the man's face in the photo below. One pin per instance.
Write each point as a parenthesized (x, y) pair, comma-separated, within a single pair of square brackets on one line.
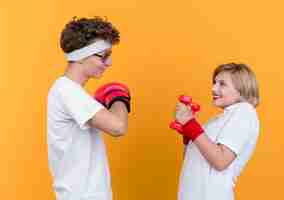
[(96, 64)]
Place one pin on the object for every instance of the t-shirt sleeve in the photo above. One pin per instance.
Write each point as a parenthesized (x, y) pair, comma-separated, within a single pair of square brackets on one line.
[(240, 128), (79, 104)]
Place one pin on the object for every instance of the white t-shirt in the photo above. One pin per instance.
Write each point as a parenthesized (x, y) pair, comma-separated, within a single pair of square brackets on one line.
[(76, 153), (238, 129)]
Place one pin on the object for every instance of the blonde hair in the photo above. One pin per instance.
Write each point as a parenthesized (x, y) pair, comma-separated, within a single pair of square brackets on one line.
[(243, 79)]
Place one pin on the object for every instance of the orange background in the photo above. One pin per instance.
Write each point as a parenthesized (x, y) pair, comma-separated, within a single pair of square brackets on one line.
[(167, 48)]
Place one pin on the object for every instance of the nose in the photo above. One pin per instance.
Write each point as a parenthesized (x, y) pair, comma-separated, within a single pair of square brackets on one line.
[(108, 62), (214, 88)]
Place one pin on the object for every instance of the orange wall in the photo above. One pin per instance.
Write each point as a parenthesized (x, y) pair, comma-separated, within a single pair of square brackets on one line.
[(167, 48)]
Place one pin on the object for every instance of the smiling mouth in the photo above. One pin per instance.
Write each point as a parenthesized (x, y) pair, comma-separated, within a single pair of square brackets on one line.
[(216, 97)]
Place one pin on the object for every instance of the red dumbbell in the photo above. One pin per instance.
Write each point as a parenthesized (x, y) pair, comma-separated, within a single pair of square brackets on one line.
[(187, 100)]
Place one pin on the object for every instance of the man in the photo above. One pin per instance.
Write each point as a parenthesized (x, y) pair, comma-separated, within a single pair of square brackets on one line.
[(76, 151)]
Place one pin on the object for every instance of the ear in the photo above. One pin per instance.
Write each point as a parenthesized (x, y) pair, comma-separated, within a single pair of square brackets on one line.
[(81, 61)]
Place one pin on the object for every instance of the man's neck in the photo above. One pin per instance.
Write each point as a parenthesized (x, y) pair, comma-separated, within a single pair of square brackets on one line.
[(74, 72)]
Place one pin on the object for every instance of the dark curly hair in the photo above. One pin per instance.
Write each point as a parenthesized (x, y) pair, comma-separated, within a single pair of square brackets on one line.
[(80, 32)]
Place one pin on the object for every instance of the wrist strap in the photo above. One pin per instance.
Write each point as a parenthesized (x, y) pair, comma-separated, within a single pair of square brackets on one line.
[(192, 129)]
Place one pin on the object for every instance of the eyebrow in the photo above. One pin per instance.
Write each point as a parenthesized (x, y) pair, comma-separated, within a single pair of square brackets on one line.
[(221, 80)]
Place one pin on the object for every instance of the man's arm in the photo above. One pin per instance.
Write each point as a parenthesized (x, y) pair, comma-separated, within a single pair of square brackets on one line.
[(113, 121)]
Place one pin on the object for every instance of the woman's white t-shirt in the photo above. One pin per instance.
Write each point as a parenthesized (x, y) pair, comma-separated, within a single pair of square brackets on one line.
[(238, 129)]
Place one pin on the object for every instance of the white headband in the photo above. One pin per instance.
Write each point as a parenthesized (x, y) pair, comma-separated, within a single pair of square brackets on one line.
[(96, 47)]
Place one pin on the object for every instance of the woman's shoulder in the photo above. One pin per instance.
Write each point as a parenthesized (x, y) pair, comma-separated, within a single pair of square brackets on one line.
[(242, 107)]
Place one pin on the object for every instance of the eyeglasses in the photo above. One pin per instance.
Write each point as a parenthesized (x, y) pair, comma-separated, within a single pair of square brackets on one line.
[(104, 56)]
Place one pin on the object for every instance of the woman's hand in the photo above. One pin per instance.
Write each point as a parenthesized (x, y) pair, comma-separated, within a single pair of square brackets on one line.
[(183, 113)]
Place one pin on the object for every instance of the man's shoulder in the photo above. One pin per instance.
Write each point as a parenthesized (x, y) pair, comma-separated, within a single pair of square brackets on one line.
[(60, 83)]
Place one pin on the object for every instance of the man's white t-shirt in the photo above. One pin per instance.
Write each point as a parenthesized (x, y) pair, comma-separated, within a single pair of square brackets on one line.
[(238, 129), (76, 152)]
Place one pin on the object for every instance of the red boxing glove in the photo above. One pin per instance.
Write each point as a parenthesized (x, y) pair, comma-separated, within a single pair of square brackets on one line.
[(192, 129), (111, 92)]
